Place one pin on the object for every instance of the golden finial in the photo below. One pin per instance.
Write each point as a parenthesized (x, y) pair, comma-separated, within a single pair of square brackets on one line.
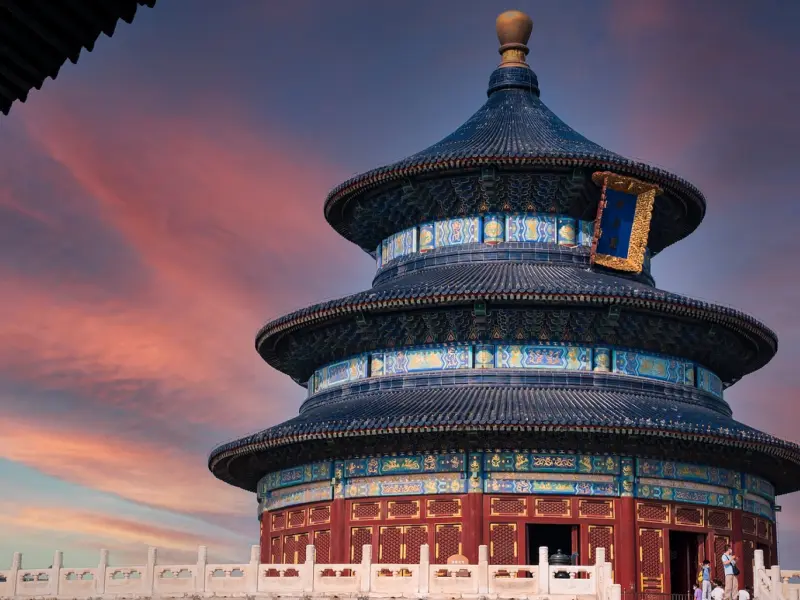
[(514, 30)]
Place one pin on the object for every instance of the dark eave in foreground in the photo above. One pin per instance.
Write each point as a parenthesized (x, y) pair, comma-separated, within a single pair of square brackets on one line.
[(38, 36)]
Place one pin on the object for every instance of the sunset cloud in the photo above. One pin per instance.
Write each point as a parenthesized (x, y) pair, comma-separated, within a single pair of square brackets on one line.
[(155, 475)]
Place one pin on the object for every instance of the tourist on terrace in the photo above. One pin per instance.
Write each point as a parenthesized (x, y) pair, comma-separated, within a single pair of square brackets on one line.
[(705, 579), (731, 571), (717, 593)]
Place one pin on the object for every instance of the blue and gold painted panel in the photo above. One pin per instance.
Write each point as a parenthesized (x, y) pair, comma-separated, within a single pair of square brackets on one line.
[(407, 485), (688, 472), (567, 231), (309, 492), (532, 355), (760, 487), (602, 360), (398, 245), (494, 227), (452, 232), (516, 472), (573, 358), (525, 462), (434, 358), (484, 356), (427, 237), (339, 373), (531, 227), (708, 381), (489, 229), (650, 366), (414, 463), (570, 485), (626, 210)]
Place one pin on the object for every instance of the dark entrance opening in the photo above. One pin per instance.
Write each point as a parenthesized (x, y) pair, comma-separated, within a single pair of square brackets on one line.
[(684, 560), (555, 537)]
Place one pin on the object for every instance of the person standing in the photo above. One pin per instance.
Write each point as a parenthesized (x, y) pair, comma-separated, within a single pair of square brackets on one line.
[(745, 594), (729, 566), (717, 593), (698, 593), (705, 579)]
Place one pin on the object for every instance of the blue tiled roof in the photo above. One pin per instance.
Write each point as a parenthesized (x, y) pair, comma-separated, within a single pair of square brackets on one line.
[(514, 127), (481, 408), (528, 282)]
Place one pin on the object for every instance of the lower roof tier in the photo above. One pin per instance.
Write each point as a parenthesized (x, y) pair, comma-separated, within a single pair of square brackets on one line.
[(570, 418), (521, 301)]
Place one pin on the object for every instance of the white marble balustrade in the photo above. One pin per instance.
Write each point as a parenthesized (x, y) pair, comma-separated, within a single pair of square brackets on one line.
[(310, 579)]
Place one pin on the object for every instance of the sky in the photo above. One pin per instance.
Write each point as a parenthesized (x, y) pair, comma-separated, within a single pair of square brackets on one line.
[(162, 199)]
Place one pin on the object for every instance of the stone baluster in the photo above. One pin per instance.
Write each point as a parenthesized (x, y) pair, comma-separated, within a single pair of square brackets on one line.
[(150, 571), (616, 592), (366, 567), (100, 574), (55, 572), (309, 569), (16, 565), (600, 572), (775, 578), (202, 563), (425, 569), (253, 566), (544, 571), (758, 566), (483, 569)]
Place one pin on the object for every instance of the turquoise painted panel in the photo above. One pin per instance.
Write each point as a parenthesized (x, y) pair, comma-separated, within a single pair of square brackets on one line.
[(494, 229), (435, 358), (543, 357), (427, 237), (530, 227), (690, 374), (407, 485), (684, 494), (527, 462), (758, 508), (688, 472), (413, 463), (379, 255), (311, 492), (319, 471), (453, 232), (649, 365), (341, 372), (498, 485), (585, 233), (761, 487), (567, 231), (708, 381)]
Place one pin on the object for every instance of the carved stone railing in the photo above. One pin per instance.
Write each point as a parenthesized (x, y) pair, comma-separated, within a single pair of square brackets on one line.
[(774, 583), (313, 579)]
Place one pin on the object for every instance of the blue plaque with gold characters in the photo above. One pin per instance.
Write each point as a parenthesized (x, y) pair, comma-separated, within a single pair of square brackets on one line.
[(623, 221)]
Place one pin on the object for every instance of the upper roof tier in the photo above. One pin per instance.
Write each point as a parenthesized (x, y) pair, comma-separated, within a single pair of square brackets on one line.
[(513, 154)]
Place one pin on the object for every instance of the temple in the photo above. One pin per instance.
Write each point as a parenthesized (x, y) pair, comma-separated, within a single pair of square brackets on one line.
[(514, 378)]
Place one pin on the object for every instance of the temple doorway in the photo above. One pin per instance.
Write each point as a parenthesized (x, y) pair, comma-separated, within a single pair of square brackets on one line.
[(555, 537), (684, 560)]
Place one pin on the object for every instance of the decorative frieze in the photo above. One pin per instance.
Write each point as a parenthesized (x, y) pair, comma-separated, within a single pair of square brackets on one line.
[(493, 228), (515, 472), (524, 355)]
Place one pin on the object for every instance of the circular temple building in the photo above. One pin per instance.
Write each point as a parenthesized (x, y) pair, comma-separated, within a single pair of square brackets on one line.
[(513, 377)]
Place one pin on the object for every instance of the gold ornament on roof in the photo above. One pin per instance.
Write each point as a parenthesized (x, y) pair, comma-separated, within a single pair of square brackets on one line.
[(514, 29)]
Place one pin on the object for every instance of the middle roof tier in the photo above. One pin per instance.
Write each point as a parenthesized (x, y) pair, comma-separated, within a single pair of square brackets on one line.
[(511, 301)]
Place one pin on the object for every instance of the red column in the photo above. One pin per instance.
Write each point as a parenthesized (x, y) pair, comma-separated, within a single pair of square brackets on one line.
[(626, 553), (738, 546), (263, 538), (472, 534), (340, 551)]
